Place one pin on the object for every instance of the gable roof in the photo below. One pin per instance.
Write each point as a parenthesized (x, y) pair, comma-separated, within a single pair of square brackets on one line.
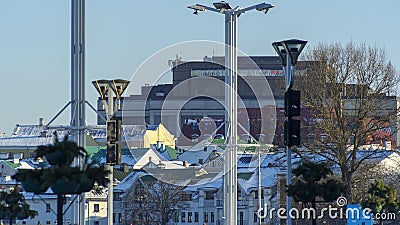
[(199, 152)]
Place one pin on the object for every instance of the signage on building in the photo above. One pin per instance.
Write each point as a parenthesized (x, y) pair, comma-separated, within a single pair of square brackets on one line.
[(241, 72)]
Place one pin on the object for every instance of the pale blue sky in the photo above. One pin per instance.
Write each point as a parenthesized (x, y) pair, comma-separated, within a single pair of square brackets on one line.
[(121, 34)]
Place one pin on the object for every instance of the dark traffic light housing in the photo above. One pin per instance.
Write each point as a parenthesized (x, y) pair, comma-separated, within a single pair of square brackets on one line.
[(292, 126), (113, 153), (292, 103), (292, 132), (113, 130), (113, 134)]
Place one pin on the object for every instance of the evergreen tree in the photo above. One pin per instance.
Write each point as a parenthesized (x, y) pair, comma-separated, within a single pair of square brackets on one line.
[(313, 181), (13, 206), (382, 198)]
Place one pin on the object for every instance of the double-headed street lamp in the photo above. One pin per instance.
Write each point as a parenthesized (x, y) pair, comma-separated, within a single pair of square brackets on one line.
[(289, 52), (107, 89), (230, 156)]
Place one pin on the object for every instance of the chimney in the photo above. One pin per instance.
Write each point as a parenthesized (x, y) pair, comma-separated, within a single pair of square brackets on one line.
[(16, 160), (41, 121), (160, 146), (185, 164), (126, 168)]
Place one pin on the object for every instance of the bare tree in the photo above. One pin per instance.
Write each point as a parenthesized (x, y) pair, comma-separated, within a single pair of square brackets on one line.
[(153, 201), (350, 92), (372, 169)]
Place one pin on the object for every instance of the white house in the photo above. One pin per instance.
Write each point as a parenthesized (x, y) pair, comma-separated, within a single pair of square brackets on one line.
[(206, 192)]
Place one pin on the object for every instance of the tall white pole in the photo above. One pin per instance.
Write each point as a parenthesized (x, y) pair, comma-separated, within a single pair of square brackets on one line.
[(78, 116), (230, 169)]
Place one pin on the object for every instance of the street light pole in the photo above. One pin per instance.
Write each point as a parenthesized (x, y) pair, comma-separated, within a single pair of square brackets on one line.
[(230, 170), (78, 116), (107, 89), (289, 52), (288, 148), (230, 156)]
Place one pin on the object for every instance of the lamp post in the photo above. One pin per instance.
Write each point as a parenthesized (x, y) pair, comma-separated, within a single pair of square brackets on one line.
[(107, 89), (289, 52), (230, 170), (78, 116)]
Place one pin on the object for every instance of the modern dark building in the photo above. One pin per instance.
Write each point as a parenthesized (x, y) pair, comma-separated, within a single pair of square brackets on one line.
[(198, 91), (192, 106)]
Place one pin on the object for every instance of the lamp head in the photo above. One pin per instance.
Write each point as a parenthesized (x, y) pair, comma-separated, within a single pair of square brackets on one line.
[(294, 47), (197, 8), (222, 5), (280, 49), (101, 87), (264, 7), (118, 86)]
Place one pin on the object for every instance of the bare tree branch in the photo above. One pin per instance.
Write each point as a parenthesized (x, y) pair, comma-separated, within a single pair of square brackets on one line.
[(350, 91)]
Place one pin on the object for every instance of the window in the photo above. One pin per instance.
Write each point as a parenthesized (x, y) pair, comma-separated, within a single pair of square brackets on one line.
[(205, 216), (209, 195), (48, 208), (117, 196), (183, 217), (119, 217), (323, 137), (255, 217), (256, 194), (239, 194), (189, 217), (186, 197), (113, 217), (310, 138), (176, 217), (196, 217), (96, 208), (96, 223), (212, 216), (48, 222)]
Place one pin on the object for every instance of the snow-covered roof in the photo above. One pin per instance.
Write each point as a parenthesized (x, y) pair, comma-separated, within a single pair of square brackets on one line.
[(165, 154), (206, 183), (127, 131), (125, 159), (36, 135), (25, 141), (7, 181), (268, 179), (37, 130), (199, 152), (127, 182), (172, 164)]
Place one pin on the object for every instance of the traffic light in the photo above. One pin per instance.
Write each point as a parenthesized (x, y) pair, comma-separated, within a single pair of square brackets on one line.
[(113, 130), (113, 153), (292, 132), (292, 103), (113, 134)]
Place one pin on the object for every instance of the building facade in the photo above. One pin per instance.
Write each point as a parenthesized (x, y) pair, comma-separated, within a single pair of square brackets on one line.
[(197, 93)]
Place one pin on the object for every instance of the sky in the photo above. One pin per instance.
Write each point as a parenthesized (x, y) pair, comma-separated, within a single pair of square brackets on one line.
[(121, 35)]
